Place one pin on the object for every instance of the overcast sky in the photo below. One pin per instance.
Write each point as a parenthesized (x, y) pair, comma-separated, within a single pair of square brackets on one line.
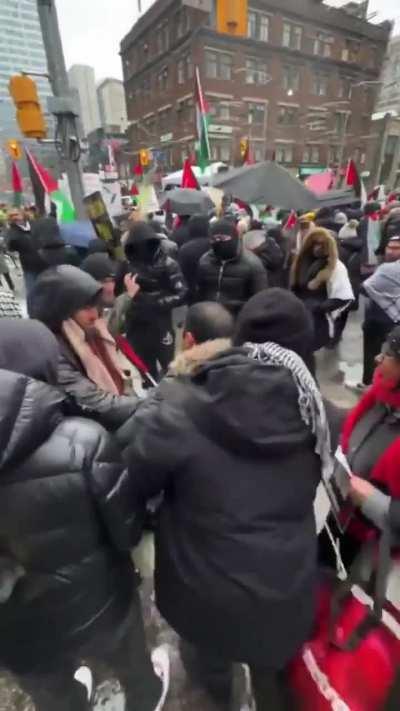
[(93, 29)]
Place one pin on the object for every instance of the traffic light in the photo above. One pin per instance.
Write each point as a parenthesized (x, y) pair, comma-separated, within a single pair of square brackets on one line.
[(244, 147), (14, 149), (232, 17), (144, 157), (30, 117)]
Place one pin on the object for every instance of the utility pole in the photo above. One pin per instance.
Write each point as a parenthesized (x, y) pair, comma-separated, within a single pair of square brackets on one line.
[(63, 105)]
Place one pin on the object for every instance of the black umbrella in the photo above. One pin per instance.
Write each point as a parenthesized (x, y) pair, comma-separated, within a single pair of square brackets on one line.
[(266, 184), (337, 198), (185, 201)]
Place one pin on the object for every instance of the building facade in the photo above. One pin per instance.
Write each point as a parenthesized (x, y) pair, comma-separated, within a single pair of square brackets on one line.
[(302, 84), (82, 80), (389, 99), (112, 105)]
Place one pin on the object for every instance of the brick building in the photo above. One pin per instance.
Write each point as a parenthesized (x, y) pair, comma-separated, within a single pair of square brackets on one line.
[(301, 86)]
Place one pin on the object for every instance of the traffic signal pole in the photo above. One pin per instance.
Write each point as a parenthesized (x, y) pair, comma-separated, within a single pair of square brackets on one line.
[(58, 78)]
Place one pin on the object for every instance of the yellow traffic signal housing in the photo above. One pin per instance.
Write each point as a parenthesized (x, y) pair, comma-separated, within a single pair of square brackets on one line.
[(14, 149), (232, 17), (244, 144), (30, 117), (144, 157)]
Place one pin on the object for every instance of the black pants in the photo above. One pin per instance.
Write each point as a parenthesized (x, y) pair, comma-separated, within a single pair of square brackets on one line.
[(217, 676), (9, 281), (375, 334), (129, 662), (154, 343)]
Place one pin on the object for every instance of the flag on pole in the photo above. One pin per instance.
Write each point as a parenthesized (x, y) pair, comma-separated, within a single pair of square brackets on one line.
[(46, 191), (353, 180), (189, 179), (17, 185), (202, 116)]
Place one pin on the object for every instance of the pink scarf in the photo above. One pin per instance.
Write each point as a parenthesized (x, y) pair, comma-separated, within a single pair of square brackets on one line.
[(94, 367)]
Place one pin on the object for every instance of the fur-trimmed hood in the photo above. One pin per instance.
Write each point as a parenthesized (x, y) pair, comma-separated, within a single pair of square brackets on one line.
[(187, 362), (326, 273)]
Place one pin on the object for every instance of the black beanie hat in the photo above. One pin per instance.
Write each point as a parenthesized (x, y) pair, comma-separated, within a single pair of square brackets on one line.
[(99, 266), (224, 227), (278, 316)]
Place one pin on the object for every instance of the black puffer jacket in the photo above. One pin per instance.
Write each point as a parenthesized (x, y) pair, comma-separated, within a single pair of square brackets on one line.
[(230, 283), (162, 287), (53, 250), (236, 546), (22, 241), (57, 294), (65, 519)]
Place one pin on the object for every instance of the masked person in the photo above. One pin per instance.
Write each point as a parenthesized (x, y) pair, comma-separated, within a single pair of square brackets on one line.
[(69, 302), (228, 273), (68, 591), (149, 327)]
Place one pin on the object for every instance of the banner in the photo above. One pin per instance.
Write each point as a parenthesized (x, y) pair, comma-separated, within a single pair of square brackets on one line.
[(101, 221)]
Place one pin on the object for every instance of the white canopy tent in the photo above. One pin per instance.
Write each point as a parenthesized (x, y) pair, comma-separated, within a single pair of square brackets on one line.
[(174, 180)]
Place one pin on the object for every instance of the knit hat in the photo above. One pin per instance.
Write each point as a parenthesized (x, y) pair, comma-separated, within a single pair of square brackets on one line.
[(340, 218), (224, 227), (99, 266), (278, 316)]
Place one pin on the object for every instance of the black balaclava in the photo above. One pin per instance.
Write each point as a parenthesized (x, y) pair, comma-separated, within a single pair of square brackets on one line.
[(29, 348), (99, 266), (143, 244), (224, 240)]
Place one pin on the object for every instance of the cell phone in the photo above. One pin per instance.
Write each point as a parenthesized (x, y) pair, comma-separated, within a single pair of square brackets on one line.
[(338, 489)]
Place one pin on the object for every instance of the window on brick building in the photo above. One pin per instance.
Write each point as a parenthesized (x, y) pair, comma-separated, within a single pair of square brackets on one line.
[(181, 72), (344, 88), (311, 154), (163, 37), (221, 150), (334, 154), (258, 26), (284, 153), (256, 71), (351, 51), (292, 35), (185, 69), (288, 116), (185, 111), (320, 84), (181, 22), (220, 110), (258, 152), (218, 65), (256, 114), (164, 120), (323, 44), (162, 79), (291, 79)]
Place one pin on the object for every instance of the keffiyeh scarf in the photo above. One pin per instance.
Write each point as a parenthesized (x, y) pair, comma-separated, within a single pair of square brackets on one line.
[(311, 406)]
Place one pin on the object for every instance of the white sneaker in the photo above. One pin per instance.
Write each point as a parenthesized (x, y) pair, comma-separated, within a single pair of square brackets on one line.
[(161, 664)]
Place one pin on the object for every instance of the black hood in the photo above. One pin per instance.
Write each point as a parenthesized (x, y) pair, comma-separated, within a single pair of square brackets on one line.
[(46, 233), (59, 292), (29, 348), (245, 406), (142, 243), (29, 413)]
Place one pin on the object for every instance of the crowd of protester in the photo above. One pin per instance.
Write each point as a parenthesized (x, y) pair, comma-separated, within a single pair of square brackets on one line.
[(233, 440)]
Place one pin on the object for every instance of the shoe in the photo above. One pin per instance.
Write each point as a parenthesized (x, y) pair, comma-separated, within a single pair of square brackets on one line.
[(161, 664), (85, 677)]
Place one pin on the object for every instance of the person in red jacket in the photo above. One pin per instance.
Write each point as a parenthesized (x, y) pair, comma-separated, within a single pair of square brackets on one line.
[(371, 442)]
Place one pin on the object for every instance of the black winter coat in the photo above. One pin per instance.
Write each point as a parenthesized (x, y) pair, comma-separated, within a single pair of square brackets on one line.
[(273, 258), (231, 283), (23, 242), (58, 253), (189, 258), (65, 519), (236, 545)]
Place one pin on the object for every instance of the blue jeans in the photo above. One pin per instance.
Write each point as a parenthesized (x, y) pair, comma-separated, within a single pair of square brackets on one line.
[(29, 281)]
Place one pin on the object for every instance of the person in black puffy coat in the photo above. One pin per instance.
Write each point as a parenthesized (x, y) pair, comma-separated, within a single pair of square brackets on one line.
[(196, 245), (228, 273), (149, 327), (224, 438), (67, 584)]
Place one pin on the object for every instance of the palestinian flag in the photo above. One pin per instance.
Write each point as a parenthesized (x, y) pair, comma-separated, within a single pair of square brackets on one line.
[(17, 185), (46, 191), (353, 180), (202, 116), (189, 179)]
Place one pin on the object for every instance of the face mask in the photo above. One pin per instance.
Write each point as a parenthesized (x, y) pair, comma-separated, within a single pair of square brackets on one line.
[(146, 252), (225, 250)]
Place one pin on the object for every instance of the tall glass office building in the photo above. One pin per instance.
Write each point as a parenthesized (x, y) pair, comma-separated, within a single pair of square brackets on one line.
[(21, 43)]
